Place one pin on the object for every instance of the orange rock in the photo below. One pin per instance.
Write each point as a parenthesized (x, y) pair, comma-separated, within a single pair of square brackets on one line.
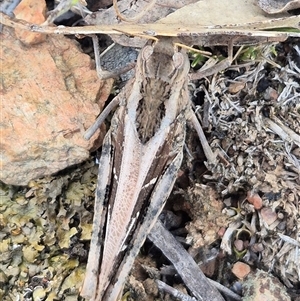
[(31, 11), (49, 96), (241, 270), (255, 200)]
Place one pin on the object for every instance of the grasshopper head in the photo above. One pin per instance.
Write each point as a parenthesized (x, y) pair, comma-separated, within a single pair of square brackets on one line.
[(163, 60)]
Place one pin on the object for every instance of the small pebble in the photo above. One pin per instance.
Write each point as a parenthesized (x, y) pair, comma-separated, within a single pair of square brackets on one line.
[(39, 293), (241, 270), (268, 215), (239, 245), (254, 199)]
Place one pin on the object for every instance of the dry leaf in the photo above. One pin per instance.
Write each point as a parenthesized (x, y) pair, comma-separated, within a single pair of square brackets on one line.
[(129, 10), (278, 6), (237, 14)]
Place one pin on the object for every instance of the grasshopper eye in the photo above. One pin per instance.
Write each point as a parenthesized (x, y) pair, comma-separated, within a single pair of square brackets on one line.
[(178, 60), (147, 52)]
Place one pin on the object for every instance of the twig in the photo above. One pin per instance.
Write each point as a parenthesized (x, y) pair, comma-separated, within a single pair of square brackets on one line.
[(289, 239), (186, 267), (282, 130), (169, 270), (173, 292), (226, 291)]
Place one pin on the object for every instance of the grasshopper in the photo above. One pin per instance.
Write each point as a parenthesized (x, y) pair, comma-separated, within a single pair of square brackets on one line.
[(141, 155)]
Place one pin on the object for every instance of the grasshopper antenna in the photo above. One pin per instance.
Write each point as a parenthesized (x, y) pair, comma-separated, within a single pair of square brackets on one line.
[(204, 53)]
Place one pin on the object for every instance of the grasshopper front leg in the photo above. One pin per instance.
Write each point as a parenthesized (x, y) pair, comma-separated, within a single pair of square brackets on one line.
[(220, 66), (95, 126)]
